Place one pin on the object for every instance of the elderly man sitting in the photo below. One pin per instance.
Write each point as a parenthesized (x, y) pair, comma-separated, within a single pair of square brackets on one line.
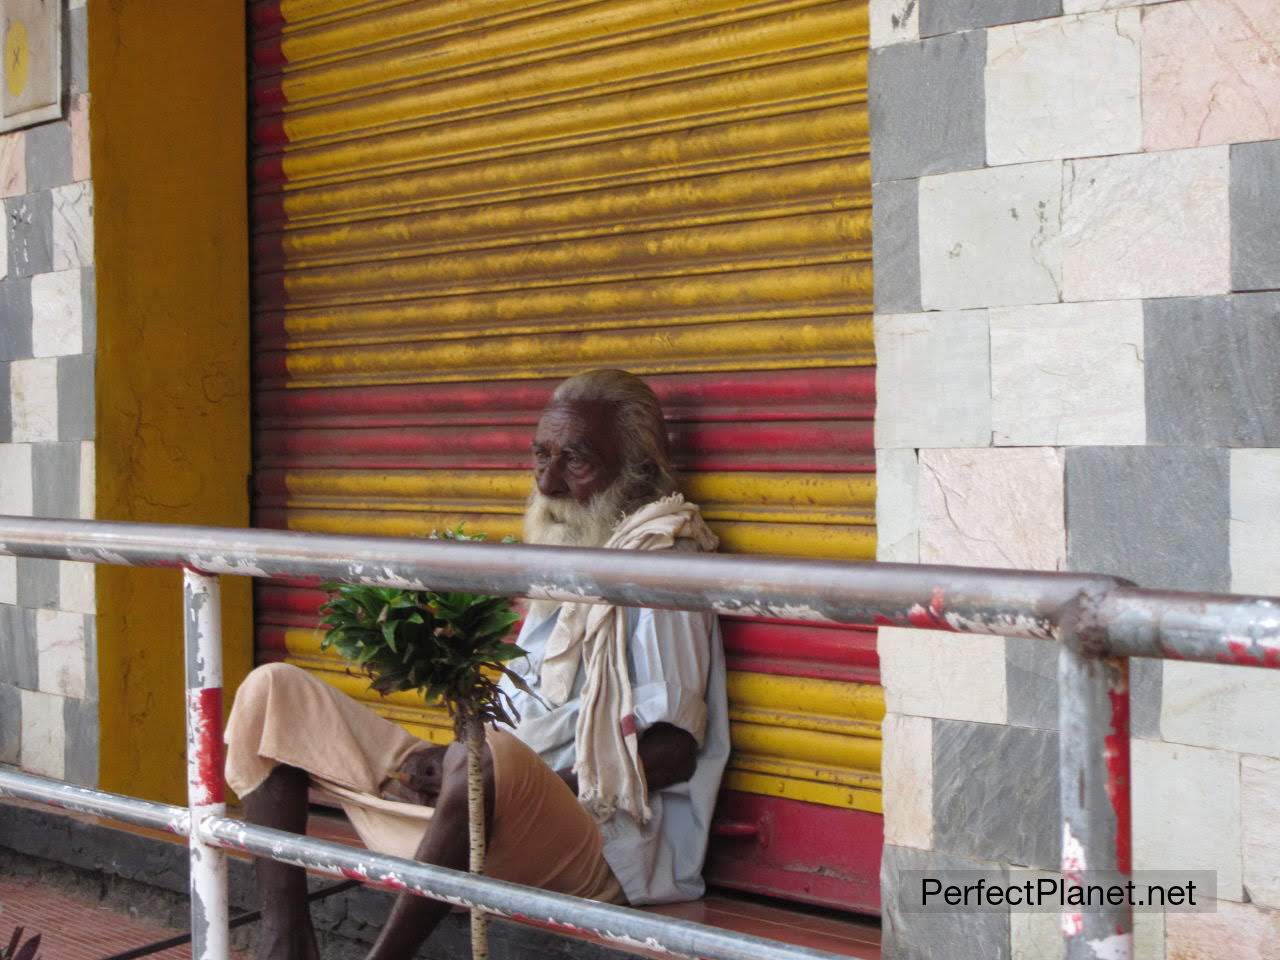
[(606, 788)]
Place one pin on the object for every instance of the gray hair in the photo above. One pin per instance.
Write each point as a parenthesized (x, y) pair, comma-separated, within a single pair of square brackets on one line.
[(647, 471)]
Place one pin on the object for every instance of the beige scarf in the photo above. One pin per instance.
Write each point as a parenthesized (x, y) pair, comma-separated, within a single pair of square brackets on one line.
[(595, 636)]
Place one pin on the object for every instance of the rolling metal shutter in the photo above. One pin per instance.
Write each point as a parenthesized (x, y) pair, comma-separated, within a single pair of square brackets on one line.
[(457, 203)]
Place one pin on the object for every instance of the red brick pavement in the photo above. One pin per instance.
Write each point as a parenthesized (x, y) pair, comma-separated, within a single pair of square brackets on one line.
[(77, 929)]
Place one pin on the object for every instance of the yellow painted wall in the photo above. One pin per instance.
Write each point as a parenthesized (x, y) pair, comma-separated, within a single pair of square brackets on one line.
[(168, 153)]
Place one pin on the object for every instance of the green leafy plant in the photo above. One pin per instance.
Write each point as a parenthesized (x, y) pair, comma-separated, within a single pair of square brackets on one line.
[(17, 950), (449, 646)]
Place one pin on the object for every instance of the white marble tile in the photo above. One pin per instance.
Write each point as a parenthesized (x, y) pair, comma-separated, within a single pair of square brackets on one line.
[(1221, 706), (43, 734), (1068, 374), (60, 652), (1146, 225), (1255, 522), (933, 380), (894, 21), (17, 492), (934, 673), (73, 226), (57, 314), (1186, 805), (1067, 87), (78, 118), (1090, 6), (8, 579), (33, 398), (897, 511), (907, 773), (1260, 806), (76, 587), (991, 237), (1210, 73), (1001, 507)]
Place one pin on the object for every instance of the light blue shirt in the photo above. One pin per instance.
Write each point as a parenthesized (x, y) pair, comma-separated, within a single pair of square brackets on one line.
[(678, 677)]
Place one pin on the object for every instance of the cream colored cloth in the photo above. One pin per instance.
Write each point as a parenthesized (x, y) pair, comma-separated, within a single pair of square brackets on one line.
[(541, 836), (594, 636)]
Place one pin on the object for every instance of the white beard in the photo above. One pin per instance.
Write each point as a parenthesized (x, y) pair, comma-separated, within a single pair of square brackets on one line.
[(563, 522)]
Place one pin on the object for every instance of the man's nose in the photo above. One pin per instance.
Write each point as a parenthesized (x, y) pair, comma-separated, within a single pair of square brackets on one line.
[(550, 481)]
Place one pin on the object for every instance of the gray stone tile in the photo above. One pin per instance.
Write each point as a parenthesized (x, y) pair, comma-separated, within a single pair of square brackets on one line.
[(895, 241), (1155, 515), (56, 478), (88, 310), (18, 663), (6, 404), (1031, 670), (10, 723), (37, 583), (75, 397), (956, 934), (927, 106), (1213, 370), (1031, 678), (15, 318), (78, 29), (995, 793), (49, 156), (951, 16), (1255, 216), (29, 220), (80, 752)]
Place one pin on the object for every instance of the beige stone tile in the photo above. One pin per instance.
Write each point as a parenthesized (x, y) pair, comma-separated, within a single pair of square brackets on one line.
[(1255, 521), (73, 226), (33, 394), (13, 164), (952, 676), (57, 309), (1068, 374), (1000, 507), (17, 492), (1067, 87), (894, 21), (897, 520), (991, 237), (1221, 706), (933, 380), (1186, 812), (1236, 931), (8, 579), (43, 734), (79, 120), (76, 587), (907, 773), (60, 652), (1146, 225), (1260, 825), (1210, 73)]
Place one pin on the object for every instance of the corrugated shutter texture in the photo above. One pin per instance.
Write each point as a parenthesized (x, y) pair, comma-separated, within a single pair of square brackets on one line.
[(457, 203)]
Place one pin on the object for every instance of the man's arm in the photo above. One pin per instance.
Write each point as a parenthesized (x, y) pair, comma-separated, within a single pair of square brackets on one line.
[(668, 755)]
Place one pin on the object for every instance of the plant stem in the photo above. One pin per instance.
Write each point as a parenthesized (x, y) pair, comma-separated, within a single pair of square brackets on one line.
[(475, 807)]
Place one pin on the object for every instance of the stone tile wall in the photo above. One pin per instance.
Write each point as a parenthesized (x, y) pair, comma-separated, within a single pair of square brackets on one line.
[(1077, 251), (48, 669)]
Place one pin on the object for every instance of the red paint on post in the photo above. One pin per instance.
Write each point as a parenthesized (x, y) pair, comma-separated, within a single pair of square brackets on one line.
[(1116, 746), (208, 734)]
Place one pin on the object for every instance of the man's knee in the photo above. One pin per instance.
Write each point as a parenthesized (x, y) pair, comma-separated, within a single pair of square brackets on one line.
[(453, 786)]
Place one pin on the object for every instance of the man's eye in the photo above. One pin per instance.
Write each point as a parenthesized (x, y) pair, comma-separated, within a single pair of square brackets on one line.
[(574, 461), (540, 456)]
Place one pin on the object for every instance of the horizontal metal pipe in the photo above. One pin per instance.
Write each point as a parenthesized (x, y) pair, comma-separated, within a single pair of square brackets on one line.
[(97, 803), (1211, 628), (1009, 603), (620, 925)]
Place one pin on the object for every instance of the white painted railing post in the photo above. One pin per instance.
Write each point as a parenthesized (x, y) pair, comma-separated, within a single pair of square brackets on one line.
[(202, 616)]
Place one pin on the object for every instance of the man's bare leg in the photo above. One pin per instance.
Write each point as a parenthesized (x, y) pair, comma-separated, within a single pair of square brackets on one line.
[(286, 932), (446, 845)]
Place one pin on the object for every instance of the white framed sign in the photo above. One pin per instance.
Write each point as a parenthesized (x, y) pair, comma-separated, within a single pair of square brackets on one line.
[(31, 82)]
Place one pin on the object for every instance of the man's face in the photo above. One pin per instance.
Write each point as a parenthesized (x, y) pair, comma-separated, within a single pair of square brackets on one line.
[(577, 459), (575, 451)]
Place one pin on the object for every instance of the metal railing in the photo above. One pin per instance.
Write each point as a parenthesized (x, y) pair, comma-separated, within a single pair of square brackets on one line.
[(1097, 621)]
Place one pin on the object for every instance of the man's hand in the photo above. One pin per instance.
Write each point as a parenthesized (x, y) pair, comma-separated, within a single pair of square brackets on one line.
[(419, 777)]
